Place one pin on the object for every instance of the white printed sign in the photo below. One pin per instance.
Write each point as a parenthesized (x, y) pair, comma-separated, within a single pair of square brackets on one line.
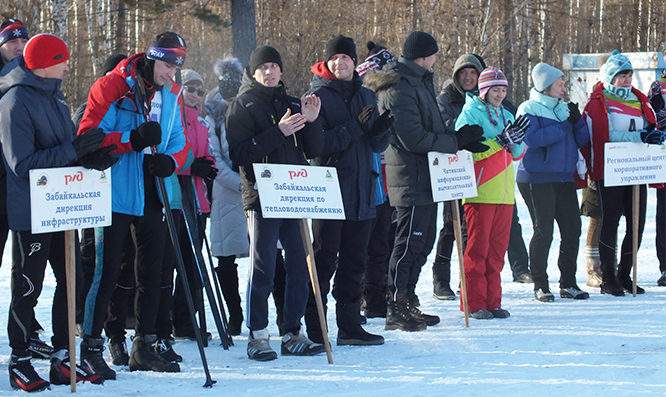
[(69, 198), (452, 175), (627, 163), (299, 191)]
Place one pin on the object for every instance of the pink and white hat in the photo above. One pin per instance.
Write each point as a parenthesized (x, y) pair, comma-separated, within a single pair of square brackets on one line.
[(491, 77)]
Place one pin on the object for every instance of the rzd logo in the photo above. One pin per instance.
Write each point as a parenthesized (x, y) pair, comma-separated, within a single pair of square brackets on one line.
[(296, 174), (76, 177)]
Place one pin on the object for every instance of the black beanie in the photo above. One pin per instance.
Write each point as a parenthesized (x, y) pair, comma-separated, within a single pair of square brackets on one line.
[(111, 62), (341, 45), (262, 55), (419, 45)]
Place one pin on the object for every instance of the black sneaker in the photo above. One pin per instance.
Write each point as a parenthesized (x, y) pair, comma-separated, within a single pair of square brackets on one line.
[(300, 345), (573, 293), (399, 317), (22, 375), (118, 352), (163, 347), (259, 346), (482, 314), (662, 280), (500, 313), (40, 349), (144, 357), (544, 295), (60, 371), (93, 361), (628, 285)]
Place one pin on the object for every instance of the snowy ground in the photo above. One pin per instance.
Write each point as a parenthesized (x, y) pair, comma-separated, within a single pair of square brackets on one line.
[(606, 345)]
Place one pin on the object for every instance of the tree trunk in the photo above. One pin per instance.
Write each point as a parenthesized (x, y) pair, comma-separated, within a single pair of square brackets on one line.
[(243, 29)]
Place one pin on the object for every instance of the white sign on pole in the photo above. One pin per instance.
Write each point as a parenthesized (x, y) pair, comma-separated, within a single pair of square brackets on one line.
[(69, 198), (452, 175), (627, 163), (299, 191)]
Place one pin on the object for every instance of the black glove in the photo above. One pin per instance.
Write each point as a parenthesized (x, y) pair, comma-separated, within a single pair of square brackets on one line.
[(468, 134), (365, 116), (100, 159), (160, 165), (514, 133), (574, 113), (383, 123), (661, 119), (147, 134), (202, 167), (476, 147), (654, 137), (88, 141)]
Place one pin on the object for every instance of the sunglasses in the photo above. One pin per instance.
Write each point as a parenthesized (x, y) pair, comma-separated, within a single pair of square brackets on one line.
[(192, 90)]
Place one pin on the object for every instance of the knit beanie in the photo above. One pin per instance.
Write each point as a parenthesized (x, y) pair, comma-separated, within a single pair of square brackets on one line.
[(262, 55), (45, 50), (419, 45), (168, 47), (615, 64), (12, 29), (229, 73), (544, 75), (341, 45), (491, 77), (111, 62), (189, 75), (377, 57)]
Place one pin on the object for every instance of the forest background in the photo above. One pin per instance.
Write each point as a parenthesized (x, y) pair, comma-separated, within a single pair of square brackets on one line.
[(513, 35)]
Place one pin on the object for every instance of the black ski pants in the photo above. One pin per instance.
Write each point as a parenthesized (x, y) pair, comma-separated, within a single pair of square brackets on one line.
[(549, 203)]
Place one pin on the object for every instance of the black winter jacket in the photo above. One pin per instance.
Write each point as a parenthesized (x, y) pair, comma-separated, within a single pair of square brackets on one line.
[(254, 136), (347, 146), (407, 90), (36, 132)]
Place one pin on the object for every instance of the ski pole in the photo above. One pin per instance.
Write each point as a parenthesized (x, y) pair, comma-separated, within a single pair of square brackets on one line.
[(190, 223)]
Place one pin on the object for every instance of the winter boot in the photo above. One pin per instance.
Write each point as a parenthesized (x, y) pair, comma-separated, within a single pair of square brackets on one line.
[(350, 331), (118, 352), (375, 304), (22, 375), (399, 317), (144, 357), (297, 344), (593, 266), (92, 360), (259, 346), (60, 370), (312, 323), (163, 347), (413, 305), (662, 280), (441, 278), (227, 275), (628, 285), (39, 349)]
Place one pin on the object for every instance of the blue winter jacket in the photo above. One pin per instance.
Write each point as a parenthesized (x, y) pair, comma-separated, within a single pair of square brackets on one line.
[(552, 141), (112, 106), (36, 132)]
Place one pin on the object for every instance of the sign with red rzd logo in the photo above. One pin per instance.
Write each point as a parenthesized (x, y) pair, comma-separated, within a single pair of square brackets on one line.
[(69, 198), (298, 191)]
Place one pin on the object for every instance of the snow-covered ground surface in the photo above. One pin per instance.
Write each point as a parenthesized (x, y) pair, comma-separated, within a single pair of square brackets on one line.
[(604, 346)]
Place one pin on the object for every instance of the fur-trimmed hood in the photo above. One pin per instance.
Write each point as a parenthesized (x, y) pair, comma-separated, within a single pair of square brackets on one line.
[(379, 80)]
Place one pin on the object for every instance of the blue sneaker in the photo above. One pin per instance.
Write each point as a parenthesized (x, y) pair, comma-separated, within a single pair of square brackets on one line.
[(259, 346), (300, 345)]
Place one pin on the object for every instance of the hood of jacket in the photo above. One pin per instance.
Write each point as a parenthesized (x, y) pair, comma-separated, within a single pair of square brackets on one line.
[(378, 80), (323, 78), (15, 73), (541, 105), (465, 61)]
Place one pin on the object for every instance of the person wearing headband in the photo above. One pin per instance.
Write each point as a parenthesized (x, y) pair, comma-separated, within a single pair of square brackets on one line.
[(138, 106)]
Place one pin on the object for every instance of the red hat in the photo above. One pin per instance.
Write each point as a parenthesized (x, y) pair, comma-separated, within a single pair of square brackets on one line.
[(45, 50)]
